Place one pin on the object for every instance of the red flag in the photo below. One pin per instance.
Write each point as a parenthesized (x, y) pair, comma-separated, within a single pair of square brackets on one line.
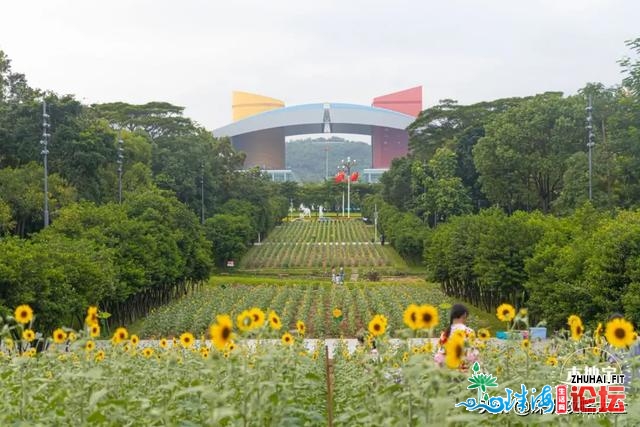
[(354, 176), (339, 177)]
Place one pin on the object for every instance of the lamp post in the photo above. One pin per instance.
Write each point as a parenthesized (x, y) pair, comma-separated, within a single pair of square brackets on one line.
[(346, 166), (202, 193), (45, 141), (590, 140), (120, 162)]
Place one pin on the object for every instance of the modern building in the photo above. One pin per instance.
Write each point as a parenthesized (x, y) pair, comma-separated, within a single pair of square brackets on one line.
[(261, 124)]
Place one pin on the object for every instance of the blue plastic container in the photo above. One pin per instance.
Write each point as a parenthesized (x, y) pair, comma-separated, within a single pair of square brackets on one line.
[(539, 333), (502, 335)]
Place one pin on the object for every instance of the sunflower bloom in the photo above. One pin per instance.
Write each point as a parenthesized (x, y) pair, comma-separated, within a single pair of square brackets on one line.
[(411, 316), (134, 340), (90, 345), (100, 356), (337, 313), (300, 327), (525, 344), (577, 329), (187, 340), (287, 338), (619, 333), (221, 331), (23, 314), (245, 321), (552, 361), (28, 335), (94, 331), (120, 335), (428, 316), (454, 350), (257, 317), (506, 312), (274, 320), (164, 343), (597, 335), (59, 336), (484, 334), (147, 352), (573, 319), (377, 325)]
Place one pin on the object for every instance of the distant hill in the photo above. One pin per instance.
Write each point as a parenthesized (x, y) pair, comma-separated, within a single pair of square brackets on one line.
[(307, 157)]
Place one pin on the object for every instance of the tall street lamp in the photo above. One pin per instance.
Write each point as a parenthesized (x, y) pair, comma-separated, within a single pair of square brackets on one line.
[(45, 141), (120, 161), (590, 140), (346, 166)]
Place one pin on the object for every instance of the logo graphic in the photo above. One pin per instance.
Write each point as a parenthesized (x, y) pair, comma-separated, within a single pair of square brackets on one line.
[(591, 391)]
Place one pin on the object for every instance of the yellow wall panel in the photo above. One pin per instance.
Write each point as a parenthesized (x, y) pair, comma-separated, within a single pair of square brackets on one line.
[(245, 104)]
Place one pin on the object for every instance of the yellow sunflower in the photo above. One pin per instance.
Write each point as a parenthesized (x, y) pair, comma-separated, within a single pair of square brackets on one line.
[(274, 320), (337, 312), (204, 352), (427, 347), (245, 321), (72, 336), (221, 331), (91, 319), (59, 336), (90, 345), (552, 361), (484, 334), (523, 312), (377, 325), (94, 331), (187, 340), (100, 356), (231, 346), (506, 312), (120, 335), (454, 350), (577, 329), (428, 316), (595, 351), (525, 344), (164, 343), (300, 327), (597, 334), (573, 319), (619, 333), (134, 340), (287, 338), (411, 316), (257, 317), (23, 314), (147, 352), (28, 335)]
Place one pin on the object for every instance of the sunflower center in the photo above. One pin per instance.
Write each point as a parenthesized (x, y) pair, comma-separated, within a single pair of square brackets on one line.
[(376, 327), (505, 312), (620, 333), (24, 313), (426, 317), (413, 316), (226, 332), (458, 351)]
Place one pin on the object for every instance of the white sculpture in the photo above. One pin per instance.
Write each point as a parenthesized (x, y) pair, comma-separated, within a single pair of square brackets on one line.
[(320, 212), (304, 211)]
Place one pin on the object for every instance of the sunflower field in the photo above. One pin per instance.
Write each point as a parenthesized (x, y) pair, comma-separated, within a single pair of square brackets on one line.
[(68, 378), (308, 300)]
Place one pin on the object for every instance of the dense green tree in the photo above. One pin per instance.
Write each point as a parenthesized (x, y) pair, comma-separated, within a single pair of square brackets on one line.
[(22, 189), (522, 157), (230, 236)]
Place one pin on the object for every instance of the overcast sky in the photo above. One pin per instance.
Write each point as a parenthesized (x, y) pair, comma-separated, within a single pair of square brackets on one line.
[(195, 52)]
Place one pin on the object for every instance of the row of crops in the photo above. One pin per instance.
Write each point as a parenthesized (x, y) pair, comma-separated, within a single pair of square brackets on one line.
[(311, 302), (323, 231), (321, 245)]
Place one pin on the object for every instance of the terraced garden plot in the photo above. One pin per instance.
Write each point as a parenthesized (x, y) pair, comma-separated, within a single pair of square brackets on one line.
[(324, 245)]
